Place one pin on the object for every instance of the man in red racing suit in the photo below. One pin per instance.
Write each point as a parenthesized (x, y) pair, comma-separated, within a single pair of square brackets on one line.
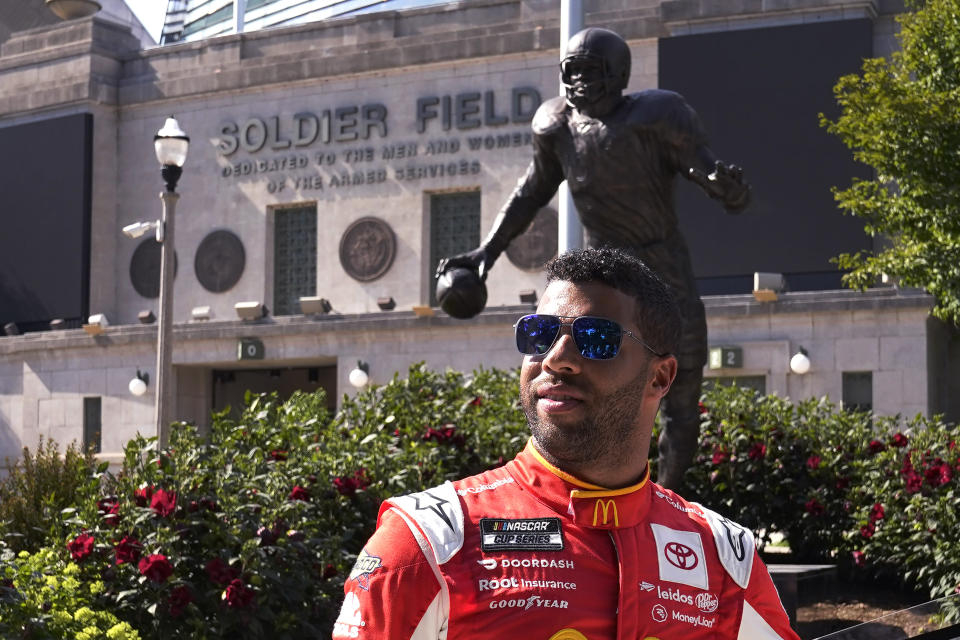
[(534, 550)]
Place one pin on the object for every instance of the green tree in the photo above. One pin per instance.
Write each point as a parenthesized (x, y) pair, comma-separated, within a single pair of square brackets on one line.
[(902, 117)]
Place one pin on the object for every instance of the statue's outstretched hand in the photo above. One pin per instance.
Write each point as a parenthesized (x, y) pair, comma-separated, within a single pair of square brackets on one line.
[(724, 183), (480, 260)]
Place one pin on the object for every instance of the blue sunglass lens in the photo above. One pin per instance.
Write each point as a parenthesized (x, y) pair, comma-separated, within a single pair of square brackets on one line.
[(536, 334), (597, 338)]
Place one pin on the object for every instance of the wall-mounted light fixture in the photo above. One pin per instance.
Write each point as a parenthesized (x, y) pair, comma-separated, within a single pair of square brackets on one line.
[(313, 305), (146, 317), (360, 375), (800, 362), (57, 324), (138, 384), (422, 311), (201, 313), (251, 310), (72, 9), (766, 286), (11, 329), (386, 304), (528, 296), (96, 324)]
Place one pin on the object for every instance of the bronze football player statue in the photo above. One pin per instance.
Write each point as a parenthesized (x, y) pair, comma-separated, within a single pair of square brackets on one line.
[(619, 155)]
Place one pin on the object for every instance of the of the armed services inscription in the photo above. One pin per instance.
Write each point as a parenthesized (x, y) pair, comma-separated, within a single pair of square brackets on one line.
[(349, 146)]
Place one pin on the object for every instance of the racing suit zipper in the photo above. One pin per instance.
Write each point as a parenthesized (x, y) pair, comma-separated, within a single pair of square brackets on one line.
[(628, 613)]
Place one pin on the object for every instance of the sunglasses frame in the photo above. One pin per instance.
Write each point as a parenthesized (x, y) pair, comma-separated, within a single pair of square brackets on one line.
[(572, 320)]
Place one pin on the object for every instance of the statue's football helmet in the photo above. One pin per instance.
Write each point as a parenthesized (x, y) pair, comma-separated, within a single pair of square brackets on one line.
[(596, 65)]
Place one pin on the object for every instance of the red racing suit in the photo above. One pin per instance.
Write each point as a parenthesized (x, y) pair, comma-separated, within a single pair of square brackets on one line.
[(528, 551)]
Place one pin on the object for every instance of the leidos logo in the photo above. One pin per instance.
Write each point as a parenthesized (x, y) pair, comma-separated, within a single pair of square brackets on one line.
[(605, 507), (675, 595)]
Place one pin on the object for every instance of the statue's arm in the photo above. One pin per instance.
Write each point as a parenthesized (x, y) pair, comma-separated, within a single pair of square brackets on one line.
[(534, 191), (687, 145)]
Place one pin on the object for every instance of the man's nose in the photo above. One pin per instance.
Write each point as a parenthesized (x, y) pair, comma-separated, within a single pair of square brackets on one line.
[(563, 356)]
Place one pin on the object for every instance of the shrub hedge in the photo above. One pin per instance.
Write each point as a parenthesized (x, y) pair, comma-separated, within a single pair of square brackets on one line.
[(249, 531)]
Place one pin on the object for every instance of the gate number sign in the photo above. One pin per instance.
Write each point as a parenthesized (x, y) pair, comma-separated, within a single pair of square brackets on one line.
[(726, 357), (249, 349)]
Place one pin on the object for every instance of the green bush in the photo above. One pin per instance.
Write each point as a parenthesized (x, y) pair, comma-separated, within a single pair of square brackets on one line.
[(867, 492), (251, 532), (37, 488), (42, 597)]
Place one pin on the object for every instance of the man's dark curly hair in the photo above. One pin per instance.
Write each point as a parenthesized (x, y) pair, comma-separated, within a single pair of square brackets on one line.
[(657, 313)]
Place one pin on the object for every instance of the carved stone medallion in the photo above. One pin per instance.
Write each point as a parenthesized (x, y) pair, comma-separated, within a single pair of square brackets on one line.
[(145, 268), (367, 249), (220, 261), (531, 249)]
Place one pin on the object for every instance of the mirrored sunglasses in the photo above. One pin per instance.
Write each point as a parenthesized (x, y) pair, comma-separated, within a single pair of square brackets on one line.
[(596, 338)]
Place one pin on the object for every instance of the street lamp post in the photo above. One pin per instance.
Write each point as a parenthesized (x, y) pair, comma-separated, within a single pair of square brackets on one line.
[(171, 145)]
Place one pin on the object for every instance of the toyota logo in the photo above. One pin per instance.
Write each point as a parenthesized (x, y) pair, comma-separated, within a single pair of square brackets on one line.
[(680, 555)]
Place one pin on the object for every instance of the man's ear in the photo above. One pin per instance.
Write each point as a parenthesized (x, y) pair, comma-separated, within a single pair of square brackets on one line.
[(662, 374)]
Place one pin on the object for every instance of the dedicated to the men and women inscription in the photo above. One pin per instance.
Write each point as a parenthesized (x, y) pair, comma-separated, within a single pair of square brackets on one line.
[(350, 146)]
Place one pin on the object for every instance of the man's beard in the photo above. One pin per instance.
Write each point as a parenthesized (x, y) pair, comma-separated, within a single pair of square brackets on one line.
[(600, 437)]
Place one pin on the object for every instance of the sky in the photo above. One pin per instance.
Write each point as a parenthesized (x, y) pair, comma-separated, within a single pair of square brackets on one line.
[(150, 13)]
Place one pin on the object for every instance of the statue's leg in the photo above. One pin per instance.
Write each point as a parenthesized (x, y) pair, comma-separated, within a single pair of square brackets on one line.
[(680, 434), (679, 411)]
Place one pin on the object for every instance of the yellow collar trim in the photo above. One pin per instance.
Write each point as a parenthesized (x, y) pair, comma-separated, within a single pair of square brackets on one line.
[(587, 488)]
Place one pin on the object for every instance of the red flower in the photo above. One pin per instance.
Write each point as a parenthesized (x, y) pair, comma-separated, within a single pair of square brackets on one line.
[(447, 434), (81, 546), (757, 451), (719, 455), (163, 502), (299, 493), (876, 446), (219, 572), (142, 496), (109, 509), (156, 567), (476, 402), (877, 512), (238, 595), (899, 440), (349, 485), (867, 530), (842, 483), (278, 455), (702, 408), (913, 481), (127, 550), (814, 507), (180, 597), (859, 558), (329, 571), (813, 462), (938, 473)]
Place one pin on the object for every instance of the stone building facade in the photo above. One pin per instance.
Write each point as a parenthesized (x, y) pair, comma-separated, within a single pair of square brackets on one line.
[(339, 160)]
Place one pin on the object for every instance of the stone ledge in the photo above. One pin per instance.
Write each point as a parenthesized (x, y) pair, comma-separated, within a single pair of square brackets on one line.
[(815, 301)]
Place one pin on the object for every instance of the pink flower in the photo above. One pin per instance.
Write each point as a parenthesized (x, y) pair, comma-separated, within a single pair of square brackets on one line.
[(237, 595), (163, 502), (81, 546), (877, 512), (899, 440), (813, 462), (814, 508), (757, 451), (859, 558), (180, 597), (156, 568), (299, 493), (127, 550)]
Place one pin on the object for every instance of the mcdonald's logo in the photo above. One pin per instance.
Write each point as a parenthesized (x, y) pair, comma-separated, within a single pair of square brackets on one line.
[(605, 506)]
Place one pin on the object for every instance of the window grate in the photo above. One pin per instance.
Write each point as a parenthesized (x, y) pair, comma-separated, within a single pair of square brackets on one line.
[(294, 258), (454, 228)]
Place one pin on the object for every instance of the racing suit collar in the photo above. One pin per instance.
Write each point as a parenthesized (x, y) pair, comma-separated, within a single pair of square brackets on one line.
[(586, 504)]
